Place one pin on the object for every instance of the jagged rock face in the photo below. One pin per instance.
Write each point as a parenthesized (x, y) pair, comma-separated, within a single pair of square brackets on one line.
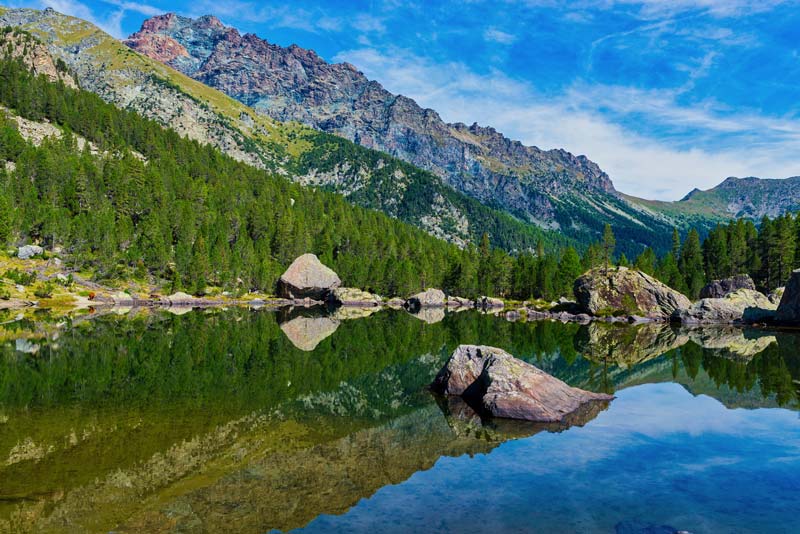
[(718, 289), (307, 277), (627, 291), (723, 310), (20, 46), (296, 84)]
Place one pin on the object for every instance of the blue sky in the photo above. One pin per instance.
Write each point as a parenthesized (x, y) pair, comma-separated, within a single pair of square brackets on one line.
[(664, 95)]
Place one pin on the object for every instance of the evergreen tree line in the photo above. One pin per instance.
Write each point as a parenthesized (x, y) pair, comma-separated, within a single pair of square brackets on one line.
[(194, 217), (768, 253)]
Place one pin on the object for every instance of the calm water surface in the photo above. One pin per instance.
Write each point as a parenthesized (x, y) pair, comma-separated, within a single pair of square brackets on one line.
[(262, 421)]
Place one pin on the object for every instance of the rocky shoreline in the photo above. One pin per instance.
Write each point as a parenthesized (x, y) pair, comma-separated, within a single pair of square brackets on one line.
[(616, 295)]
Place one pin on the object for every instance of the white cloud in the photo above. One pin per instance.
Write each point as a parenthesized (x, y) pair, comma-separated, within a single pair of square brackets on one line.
[(588, 120), (498, 36)]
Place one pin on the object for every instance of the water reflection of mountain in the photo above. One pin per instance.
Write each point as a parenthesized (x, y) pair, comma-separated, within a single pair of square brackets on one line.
[(115, 416)]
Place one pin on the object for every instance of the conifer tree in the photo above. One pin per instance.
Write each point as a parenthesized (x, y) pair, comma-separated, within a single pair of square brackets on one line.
[(609, 242)]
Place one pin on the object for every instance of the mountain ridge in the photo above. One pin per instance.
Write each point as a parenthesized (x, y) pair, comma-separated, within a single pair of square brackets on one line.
[(133, 81)]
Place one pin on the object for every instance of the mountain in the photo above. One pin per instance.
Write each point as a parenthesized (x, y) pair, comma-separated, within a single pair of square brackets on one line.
[(371, 179), (551, 188), (752, 198)]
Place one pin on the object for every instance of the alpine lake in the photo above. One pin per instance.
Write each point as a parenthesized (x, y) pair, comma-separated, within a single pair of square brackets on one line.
[(258, 420)]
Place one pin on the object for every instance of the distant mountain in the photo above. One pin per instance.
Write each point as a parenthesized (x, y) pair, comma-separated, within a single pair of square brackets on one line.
[(750, 197), (552, 188)]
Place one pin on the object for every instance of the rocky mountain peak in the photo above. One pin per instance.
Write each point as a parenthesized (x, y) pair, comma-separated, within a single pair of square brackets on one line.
[(296, 84)]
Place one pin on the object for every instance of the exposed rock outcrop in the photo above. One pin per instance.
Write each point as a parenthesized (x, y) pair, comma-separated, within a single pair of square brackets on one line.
[(504, 386), (430, 298), (718, 289), (307, 277), (26, 252), (726, 310), (623, 291), (789, 307)]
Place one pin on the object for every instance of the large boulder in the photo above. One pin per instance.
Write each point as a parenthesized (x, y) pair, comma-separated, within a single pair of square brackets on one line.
[(504, 386), (718, 289), (430, 298), (789, 307), (28, 251), (726, 310), (307, 277), (623, 291)]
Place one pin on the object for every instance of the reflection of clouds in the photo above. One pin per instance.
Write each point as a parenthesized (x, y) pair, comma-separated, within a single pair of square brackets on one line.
[(657, 456)]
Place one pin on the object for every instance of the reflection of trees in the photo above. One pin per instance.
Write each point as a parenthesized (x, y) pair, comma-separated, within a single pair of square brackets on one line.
[(773, 370)]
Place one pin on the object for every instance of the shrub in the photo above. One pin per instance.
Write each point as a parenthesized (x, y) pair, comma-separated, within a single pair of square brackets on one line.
[(44, 291), (20, 277)]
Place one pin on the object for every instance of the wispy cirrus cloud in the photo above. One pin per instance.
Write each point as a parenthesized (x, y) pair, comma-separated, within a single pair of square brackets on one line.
[(694, 150)]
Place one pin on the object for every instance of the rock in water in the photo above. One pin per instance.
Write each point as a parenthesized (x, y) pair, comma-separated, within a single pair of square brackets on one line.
[(430, 298), (307, 277), (724, 310), (627, 291), (721, 288), (28, 251), (505, 386), (789, 308)]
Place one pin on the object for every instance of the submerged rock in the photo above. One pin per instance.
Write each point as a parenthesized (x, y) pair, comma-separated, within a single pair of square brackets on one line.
[(789, 307), (307, 277), (430, 298), (718, 289), (504, 386), (726, 310), (626, 291), (306, 333)]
